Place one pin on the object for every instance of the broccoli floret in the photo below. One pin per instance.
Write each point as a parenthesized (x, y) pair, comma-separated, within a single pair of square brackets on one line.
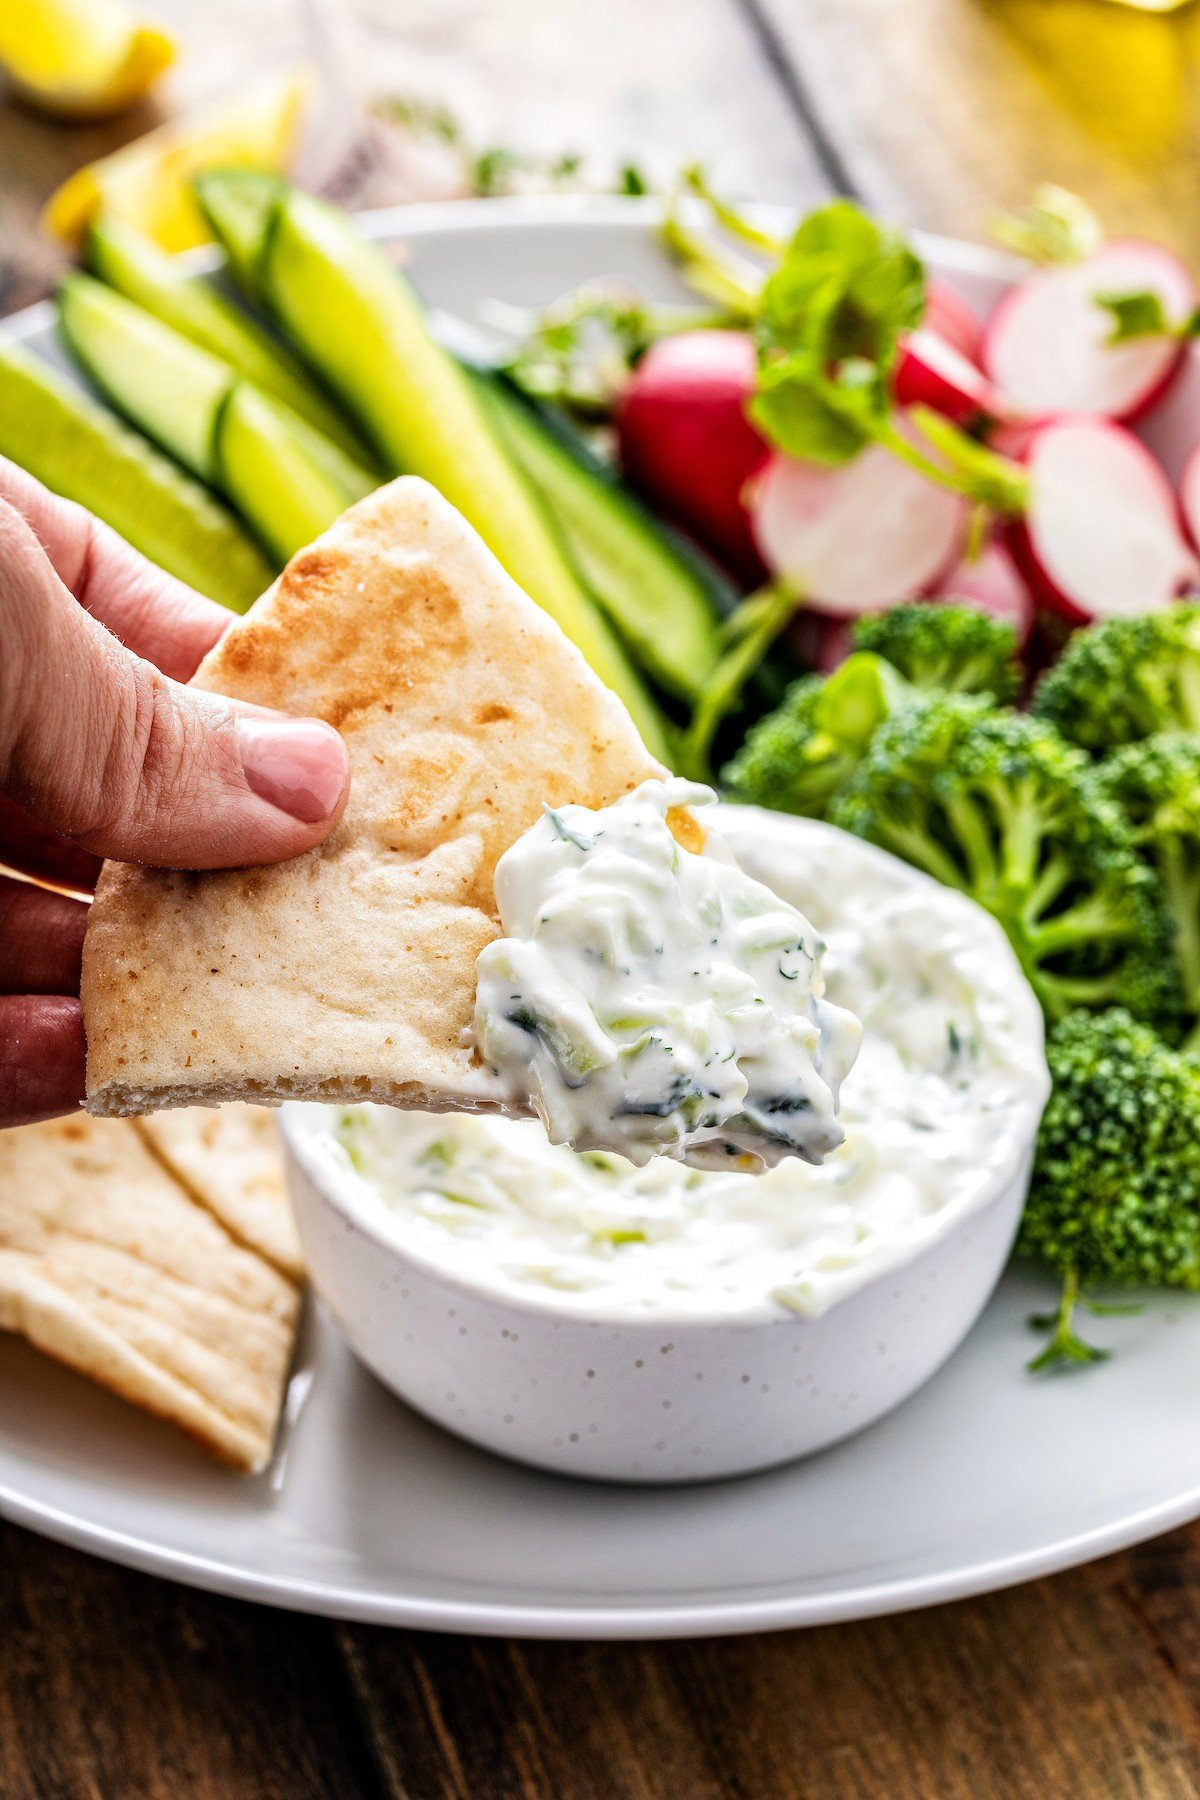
[(995, 803), (802, 755), (1115, 1195), (1156, 784), (1126, 679), (956, 648)]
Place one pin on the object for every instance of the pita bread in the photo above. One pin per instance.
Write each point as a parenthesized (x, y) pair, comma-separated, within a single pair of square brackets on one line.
[(229, 1159), (110, 1265), (349, 974)]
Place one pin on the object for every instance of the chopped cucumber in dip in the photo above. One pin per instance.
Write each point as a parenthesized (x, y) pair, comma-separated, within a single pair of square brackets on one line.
[(650, 1000)]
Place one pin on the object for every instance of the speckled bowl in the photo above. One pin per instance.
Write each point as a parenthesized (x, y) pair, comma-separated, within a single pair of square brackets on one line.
[(633, 1399), (637, 1400)]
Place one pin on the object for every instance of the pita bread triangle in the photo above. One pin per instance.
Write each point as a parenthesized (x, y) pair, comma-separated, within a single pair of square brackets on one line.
[(348, 974)]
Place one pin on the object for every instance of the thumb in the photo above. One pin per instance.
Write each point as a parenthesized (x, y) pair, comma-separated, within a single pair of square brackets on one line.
[(102, 747)]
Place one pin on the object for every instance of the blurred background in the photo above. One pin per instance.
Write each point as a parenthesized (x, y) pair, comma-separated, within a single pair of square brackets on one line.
[(937, 111)]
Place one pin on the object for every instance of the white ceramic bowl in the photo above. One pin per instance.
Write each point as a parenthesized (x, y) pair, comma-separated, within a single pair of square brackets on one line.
[(641, 1399)]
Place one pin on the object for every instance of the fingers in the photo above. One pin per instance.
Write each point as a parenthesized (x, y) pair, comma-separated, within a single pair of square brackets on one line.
[(156, 616), (33, 850), (106, 751), (42, 1054), (41, 940)]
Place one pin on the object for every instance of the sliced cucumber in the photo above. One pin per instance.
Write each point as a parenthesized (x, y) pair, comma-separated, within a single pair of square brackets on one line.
[(358, 323), (132, 263), (281, 480), (238, 205), (65, 440), (167, 387), (181, 397), (663, 601)]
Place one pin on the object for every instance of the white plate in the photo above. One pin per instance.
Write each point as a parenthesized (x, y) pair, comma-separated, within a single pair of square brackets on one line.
[(987, 1477)]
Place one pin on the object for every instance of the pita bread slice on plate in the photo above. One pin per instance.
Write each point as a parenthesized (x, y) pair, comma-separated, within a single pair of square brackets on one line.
[(349, 973), (229, 1159), (110, 1265)]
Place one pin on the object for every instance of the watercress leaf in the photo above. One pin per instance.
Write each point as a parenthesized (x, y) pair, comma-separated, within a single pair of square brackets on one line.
[(796, 408), (1057, 227), (1139, 315)]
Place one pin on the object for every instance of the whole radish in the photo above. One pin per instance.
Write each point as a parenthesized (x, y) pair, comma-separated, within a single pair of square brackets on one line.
[(686, 443), (1100, 533), (1047, 345), (857, 537)]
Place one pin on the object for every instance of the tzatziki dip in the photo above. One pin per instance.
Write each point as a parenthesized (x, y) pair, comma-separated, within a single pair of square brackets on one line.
[(937, 1112), (656, 1000)]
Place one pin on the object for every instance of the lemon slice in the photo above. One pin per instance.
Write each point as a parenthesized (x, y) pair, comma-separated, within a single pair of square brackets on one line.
[(81, 59), (255, 126)]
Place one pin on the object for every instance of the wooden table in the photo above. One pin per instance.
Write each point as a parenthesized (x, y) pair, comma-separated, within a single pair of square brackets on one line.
[(116, 1685)]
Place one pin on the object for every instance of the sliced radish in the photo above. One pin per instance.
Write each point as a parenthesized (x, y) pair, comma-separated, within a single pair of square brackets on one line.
[(930, 371), (858, 537), (947, 313), (1100, 536), (992, 582), (685, 440), (1189, 496), (1046, 343)]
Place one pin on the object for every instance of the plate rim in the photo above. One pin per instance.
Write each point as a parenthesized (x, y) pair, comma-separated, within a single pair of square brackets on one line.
[(586, 1622)]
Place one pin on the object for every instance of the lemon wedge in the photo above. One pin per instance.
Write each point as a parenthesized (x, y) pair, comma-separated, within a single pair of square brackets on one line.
[(81, 59), (255, 126)]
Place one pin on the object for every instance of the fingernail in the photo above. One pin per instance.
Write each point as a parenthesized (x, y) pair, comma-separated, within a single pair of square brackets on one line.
[(298, 765)]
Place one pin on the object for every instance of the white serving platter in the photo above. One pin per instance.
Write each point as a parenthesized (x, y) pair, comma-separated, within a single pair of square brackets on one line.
[(987, 1477)]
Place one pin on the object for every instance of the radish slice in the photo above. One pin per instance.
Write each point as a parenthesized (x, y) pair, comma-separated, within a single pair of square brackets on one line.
[(930, 371), (1189, 496), (859, 537), (947, 314), (1100, 537), (1045, 346), (685, 440), (992, 582)]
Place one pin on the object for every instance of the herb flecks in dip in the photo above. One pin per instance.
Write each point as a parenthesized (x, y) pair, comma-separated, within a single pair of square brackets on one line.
[(937, 1110), (650, 1000)]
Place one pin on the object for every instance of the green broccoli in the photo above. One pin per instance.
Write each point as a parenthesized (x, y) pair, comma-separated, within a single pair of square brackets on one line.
[(801, 756), (995, 803), (1156, 784), (1126, 679), (956, 648), (1115, 1195)]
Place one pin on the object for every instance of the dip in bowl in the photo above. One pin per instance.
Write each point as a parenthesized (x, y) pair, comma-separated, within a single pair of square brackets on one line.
[(667, 1323)]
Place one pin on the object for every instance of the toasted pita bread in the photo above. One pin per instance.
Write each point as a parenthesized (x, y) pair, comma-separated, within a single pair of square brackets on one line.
[(349, 973), (110, 1265), (229, 1160)]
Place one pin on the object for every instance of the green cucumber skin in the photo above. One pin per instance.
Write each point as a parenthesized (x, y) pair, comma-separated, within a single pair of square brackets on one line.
[(164, 385), (78, 450), (238, 205), (136, 360), (357, 322), (134, 265), (661, 599), (288, 486)]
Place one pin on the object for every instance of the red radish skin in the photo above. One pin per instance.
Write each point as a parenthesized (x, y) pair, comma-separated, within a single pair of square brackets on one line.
[(930, 371), (992, 582), (685, 441), (947, 313), (1189, 496), (821, 643), (859, 537), (1045, 345), (1100, 537)]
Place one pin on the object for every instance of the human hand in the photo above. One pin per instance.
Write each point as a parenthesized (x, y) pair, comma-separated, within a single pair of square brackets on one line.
[(104, 753)]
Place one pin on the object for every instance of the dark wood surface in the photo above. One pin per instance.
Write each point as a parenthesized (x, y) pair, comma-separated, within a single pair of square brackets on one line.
[(116, 1684)]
